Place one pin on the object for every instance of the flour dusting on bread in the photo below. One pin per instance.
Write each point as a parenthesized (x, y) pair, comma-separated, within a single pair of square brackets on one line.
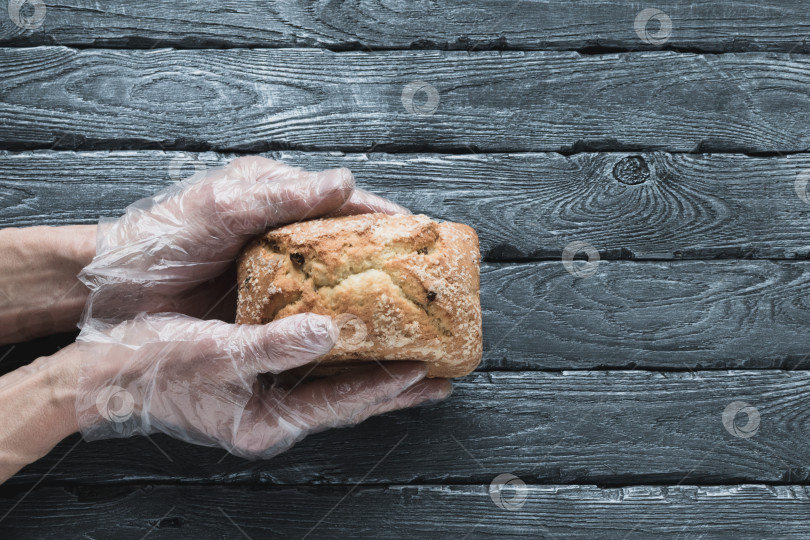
[(413, 282)]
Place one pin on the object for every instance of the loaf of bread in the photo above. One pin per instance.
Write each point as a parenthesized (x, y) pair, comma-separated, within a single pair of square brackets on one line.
[(400, 287)]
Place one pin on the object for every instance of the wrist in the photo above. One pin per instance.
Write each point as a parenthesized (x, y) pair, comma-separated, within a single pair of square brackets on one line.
[(42, 396), (77, 243), (39, 291), (60, 377)]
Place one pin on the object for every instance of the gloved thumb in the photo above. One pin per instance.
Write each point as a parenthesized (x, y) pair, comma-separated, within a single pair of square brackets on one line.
[(284, 344)]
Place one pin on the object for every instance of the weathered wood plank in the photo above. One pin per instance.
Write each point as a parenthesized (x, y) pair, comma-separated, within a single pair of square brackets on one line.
[(675, 315), (554, 24), (708, 314), (744, 511), (245, 99), (571, 427), (524, 206)]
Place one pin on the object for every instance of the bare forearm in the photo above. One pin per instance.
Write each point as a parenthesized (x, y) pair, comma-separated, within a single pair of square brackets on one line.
[(39, 292), (39, 400)]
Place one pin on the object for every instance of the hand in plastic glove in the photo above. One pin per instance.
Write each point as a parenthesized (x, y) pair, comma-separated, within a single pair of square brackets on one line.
[(196, 380), (163, 252)]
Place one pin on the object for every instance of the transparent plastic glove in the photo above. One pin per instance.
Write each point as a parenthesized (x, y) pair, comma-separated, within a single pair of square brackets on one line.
[(197, 381), (167, 251), (147, 365)]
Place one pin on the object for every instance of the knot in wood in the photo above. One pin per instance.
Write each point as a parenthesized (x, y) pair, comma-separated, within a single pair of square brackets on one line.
[(631, 170)]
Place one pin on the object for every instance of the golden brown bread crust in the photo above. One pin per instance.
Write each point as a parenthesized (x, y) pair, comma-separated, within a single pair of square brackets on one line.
[(402, 287)]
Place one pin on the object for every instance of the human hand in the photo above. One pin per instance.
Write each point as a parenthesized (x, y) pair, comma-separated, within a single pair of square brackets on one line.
[(197, 381), (167, 251)]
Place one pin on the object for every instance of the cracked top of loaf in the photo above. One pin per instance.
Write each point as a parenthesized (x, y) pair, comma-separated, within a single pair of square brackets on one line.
[(401, 287)]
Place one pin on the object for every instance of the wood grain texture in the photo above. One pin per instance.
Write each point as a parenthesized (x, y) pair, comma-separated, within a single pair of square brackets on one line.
[(245, 99), (587, 512), (554, 24), (607, 427), (683, 315), (677, 315), (524, 206), (701, 314)]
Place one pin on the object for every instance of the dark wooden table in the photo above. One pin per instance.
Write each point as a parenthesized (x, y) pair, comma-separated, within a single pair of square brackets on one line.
[(659, 391)]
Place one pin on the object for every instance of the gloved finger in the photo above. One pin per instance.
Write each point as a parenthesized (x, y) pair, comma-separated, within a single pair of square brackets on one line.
[(191, 232), (338, 400), (425, 391), (256, 193), (283, 344), (364, 202), (274, 347), (285, 418)]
